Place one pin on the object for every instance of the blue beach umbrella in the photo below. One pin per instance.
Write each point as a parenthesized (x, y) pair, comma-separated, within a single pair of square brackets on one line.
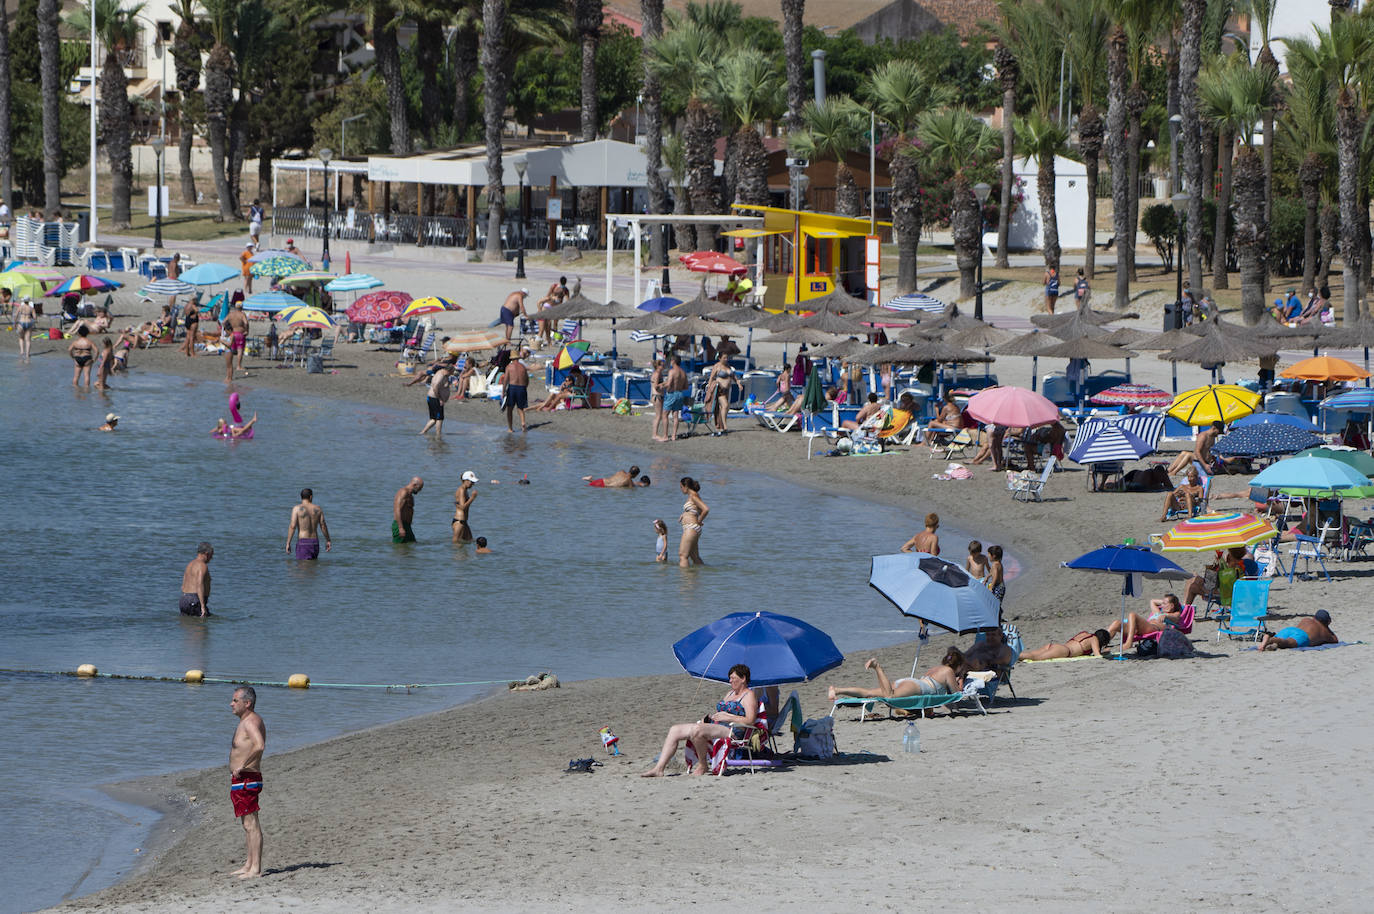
[(916, 301), (167, 287), (662, 303), (1310, 473), (272, 301), (933, 590), (1359, 399), (1106, 439), (776, 649), (1265, 440), (1275, 419), (353, 282), (1131, 562), (210, 274)]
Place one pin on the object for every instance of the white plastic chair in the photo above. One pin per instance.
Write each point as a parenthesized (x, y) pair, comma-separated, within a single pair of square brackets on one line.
[(1030, 488)]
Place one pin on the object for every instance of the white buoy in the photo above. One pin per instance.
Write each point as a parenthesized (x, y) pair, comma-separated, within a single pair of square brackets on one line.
[(87, 670), (195, 676)]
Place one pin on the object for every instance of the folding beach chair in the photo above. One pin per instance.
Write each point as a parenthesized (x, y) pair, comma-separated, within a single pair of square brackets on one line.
[(950, 443), (1310, 549), (1025, 487), (1249, 609)]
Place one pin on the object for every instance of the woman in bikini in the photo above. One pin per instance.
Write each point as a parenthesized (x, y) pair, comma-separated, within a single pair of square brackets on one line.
[(1083, 644), (945, 679), (127, 339), (739, 708), (1163, 614), (718, 387), (462, 503), (24, 319), (657, 385), (693, 516), (82, 352), (107, 352)]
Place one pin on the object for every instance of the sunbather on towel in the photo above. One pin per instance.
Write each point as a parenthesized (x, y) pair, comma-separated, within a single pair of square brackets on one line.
[(739, 707), (1082, 644), (945, 679), (1308, 631), (1163, 613)]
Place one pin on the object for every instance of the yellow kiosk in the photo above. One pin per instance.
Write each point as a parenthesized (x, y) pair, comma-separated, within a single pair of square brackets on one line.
[(837, 253)]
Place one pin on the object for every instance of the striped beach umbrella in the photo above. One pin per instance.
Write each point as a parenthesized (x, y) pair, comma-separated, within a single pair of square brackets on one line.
[(474, 340), (354, 282), (312, 318), (1215, 402), (305, 276), (86, 284), (915, 301), (1132, 395), (39, 271), (1104, 439), (167, 287), (272, 302), (210, 274), (1218, 530)]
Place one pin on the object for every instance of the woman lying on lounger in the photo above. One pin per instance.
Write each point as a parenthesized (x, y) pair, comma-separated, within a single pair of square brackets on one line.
[(945, 679), (739, 708), (1080, 645)]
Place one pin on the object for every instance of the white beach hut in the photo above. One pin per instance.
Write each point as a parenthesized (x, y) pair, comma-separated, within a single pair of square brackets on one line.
[(1071, 205)]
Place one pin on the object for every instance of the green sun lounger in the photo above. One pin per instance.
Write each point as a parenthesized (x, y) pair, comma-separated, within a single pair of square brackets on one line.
[(908, 703)]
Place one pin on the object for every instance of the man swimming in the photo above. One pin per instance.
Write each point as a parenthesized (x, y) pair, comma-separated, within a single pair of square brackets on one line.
[(1308, 631), (620, 479), (305, 517), (195, 583)]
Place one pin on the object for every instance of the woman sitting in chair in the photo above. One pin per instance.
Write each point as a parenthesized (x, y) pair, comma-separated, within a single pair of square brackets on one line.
[(739, 708), (950, 418), (1164, 613), (945, 679), (574, 387)]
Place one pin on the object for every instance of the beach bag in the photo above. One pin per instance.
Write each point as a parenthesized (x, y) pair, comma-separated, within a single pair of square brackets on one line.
[(1173, 643), (816, 739), (622, 407), (1147, 649)]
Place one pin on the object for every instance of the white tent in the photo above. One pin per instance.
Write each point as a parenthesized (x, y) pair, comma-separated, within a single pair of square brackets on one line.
[(1070, 204), (600, 163)]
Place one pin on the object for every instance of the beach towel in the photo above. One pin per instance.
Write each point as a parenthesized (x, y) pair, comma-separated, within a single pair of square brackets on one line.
[(1060, 659), (1315, 647)]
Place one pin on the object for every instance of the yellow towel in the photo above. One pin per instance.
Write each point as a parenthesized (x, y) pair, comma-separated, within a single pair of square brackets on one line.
[(1061, 659)]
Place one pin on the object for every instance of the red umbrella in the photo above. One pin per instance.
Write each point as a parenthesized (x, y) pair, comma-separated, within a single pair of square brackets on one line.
[(711, 262), (378, 307), (1132, 395)]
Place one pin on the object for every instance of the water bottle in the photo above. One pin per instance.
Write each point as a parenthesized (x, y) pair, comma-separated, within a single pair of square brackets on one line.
[(911, 739)]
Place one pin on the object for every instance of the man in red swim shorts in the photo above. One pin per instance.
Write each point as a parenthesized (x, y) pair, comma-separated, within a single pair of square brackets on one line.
[(245, 783), (236, 326)]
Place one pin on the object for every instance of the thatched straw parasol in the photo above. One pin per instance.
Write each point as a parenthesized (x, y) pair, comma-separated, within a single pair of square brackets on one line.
[(808, 335), (831, 322)]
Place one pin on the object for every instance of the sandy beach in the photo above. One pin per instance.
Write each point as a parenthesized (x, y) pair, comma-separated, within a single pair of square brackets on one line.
[(1223, 782)]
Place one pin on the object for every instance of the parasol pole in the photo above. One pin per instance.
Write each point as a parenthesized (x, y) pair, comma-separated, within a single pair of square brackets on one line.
[(1035, 369)]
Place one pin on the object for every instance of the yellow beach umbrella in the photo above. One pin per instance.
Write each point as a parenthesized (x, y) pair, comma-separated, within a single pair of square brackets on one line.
[(310, 318), (21, 284), (432, 304), (1213, 403)]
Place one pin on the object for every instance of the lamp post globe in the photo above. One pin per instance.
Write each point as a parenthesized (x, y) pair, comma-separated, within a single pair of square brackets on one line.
[(981, 191)]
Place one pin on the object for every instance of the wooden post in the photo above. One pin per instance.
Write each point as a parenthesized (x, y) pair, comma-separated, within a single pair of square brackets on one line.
[(472, 218), (553, 224), (419, 215)]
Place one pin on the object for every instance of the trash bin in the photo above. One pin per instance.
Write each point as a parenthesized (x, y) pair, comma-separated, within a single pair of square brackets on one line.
[(1171, 315), (314, 364), (83, 226)]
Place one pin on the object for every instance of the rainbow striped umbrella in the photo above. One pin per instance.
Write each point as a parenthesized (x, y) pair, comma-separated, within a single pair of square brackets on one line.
[(1132, 395), (313, 318), (86, 283), (1219, 530), (571, 354), (39, 271), (305, 276)]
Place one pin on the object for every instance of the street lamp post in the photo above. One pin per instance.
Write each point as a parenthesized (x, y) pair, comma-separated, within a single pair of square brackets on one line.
[(520, 165), (665, 288), (1180, 202), (1175, 124), (158, 144), (981, 190), (325, 155)]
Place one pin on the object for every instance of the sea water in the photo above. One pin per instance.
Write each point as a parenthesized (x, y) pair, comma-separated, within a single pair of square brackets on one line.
[(99, 526)]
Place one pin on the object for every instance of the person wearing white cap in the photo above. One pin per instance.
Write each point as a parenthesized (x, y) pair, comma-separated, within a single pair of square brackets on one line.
[(111, 420), (513, 305), (462, 504)]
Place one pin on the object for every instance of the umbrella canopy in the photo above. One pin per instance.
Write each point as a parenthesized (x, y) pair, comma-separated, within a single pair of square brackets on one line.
[(278, 266), (650, 322), (264, 256), (1084, 347), (1128, 337), (290, 311), (578, 307), (1219, 530), (982, 337), (301, 277), (837, 300), (376, 310), (1014, 407), (776, 648), (1321, 473), (892, 354), (1076, 326), (38, 271), (1024, 344), (935, 591), (1104, 439), (1169, 339), (1215, 402), (813, 395), (1325, 368), (167, 287), (434, 302), (745, 317), (1137, 395), (1360, 461), (312, 318), (387, 298), (842, 349), (938, 351), (571, 354), (210, 274), (697, 307), (661, 303), (272, 302), (88, 285), (882, 316), (1359, 399), (354, 282), (692, 326), (711, 262), (21, 284), (1124, 559), (1086, 314), (774, 323), (831, 322), (916, 301), (474, 340), (1275, 419), (808, 335), (1221, 344), (1267, 439)]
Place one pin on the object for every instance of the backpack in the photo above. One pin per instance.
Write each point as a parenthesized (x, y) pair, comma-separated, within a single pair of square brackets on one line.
[(1173, 643), (816, 739)]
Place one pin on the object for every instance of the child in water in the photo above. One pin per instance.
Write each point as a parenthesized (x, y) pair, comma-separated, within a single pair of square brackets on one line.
[(662, 544)]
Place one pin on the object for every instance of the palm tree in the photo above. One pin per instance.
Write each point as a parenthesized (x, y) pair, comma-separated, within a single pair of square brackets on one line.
[(1009, 72), (1117, 155), (587, 18), (684, 60), (651, 14), (219, 95), (1144, 21), (795, 56), (1352, 39), (1307, 133), (463, 54), (1263, 13), (675, 159), (898, 92), (831, 131), (186, 48), (6, 140), (747, 91), (1190, 135), (495, 85), (382, 23), (961, 142), (1042, 138), (117, 30), (1085, 23), (50, 63), (1221, 107)]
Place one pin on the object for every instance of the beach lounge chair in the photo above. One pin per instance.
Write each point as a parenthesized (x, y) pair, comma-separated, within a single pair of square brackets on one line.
[(898, 427), (949, 443), (1249, 609), (1183, 627), (771, 419), (907, 703), (1031, 488), (1017, 645), (420, 352)]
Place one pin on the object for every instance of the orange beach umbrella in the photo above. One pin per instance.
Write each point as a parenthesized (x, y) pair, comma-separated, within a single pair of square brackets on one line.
[(1325, 368)]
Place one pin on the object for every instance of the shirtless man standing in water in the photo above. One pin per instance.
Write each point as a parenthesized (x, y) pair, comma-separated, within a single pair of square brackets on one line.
[(245, 778), (403, 511), (462, 503), (305, 517), (195, 583)]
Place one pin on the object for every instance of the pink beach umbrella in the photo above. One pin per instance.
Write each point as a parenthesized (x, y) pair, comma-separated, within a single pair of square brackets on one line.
[(378, 307), (1013, 407)]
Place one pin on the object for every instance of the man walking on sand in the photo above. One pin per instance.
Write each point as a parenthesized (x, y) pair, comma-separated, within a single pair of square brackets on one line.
[(236, 325), (674, 397), (305, 518), (403, 511), (515, 382), (195, 583), (513, 305), (245, 780)]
